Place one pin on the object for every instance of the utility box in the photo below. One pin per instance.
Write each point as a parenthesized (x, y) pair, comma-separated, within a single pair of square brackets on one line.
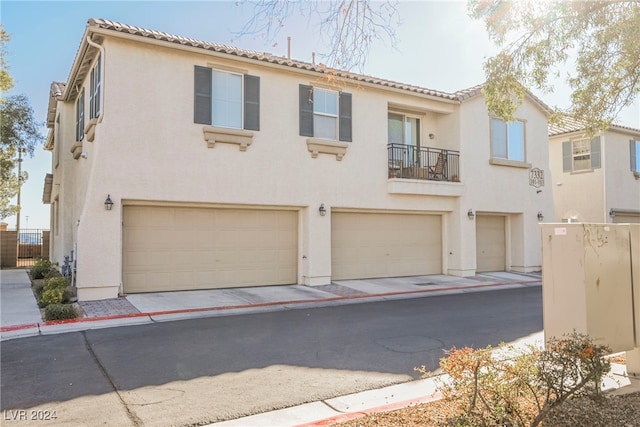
[(587, 282)]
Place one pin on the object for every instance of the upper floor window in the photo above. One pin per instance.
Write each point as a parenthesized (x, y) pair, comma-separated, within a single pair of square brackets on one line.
[(507, 140), (634, 154), (226, 99), (325, 113), (79, 117), (95, 86), (581, 155)]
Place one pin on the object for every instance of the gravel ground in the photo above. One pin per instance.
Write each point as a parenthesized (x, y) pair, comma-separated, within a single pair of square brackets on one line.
[(613, 411)]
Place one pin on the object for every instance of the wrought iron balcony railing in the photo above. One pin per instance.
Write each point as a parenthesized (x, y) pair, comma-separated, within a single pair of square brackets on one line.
[(411, 162)]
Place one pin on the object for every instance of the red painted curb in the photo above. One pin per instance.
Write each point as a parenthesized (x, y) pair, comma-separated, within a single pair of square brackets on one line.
[(262, 304), (384, 408), (18, 327)]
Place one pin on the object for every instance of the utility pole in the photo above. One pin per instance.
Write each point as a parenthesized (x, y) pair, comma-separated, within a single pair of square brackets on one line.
[(19, 190)]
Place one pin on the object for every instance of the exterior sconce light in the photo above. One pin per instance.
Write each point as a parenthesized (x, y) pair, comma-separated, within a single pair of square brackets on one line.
[(470, 214), (432, 136), (612, 213), (322, 210), (540, 216), (108, 204)]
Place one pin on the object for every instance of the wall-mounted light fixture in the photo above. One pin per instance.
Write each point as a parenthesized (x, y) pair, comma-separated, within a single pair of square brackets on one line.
[(432, 136), (612, 213), (540, 216), (322, 210), (108, 203), (470, 214)]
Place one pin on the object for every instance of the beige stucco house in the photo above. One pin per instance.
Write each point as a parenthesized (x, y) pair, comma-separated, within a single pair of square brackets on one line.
[(230, 168), (595, 178)]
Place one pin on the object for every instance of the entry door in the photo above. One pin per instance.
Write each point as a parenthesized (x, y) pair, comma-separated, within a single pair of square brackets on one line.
[(490, 243)]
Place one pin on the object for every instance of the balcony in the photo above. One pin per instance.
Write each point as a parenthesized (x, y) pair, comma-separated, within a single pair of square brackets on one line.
[(424, 163)]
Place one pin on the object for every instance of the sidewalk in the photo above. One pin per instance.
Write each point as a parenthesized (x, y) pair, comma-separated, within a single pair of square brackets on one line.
[(21, 316)]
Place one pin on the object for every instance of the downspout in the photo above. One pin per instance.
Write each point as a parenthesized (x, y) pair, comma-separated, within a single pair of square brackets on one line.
[(102, 55), (603, 165)]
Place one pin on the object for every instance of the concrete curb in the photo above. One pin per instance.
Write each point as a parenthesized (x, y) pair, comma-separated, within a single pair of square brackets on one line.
[(73, 325)]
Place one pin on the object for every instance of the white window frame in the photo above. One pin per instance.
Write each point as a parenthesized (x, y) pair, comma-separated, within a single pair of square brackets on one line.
[(509, 156), (587, 143), (226, 101), (637, 159), (320, 113)]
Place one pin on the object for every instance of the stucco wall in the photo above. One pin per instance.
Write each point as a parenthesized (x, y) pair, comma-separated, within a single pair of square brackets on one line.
[(623, 188), (148, 150)]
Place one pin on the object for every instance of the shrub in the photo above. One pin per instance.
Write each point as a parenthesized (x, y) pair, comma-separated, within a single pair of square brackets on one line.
[(52, 296), (38, 289), (41, 268), (514, 387), (55, 283), (60, 312), (53, 273)]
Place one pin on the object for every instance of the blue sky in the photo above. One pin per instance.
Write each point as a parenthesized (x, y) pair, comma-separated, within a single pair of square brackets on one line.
[(439, 47)]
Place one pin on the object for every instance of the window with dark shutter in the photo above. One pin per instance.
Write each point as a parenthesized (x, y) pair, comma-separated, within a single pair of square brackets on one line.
[(345, 117), (306, 110), (251, 102), (202, 98), (80, 117), (567, 156), (595, 153)]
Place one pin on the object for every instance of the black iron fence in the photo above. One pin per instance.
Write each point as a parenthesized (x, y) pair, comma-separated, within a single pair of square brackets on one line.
[(411, 162), (22, 249)]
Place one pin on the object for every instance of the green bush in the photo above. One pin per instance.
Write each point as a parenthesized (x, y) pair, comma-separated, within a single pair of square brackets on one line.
[(52, 296), (41, 268), (518, 387), (55, 283), (38, 289), (60, 312), (53, 273)]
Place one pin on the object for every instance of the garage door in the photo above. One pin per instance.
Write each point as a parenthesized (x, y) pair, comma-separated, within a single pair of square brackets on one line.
[(367, 245), (490, 243), (620, 218), (173, 248)]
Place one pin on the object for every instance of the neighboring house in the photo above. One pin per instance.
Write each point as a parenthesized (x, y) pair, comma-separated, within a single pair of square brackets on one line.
[(595, 178), (231, 168)]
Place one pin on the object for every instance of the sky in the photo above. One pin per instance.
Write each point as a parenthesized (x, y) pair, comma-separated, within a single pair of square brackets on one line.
[(438, 47)]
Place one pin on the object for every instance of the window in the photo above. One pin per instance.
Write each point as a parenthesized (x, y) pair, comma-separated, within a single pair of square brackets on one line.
[(94, 90), (404, 130), (634, 154), (226, 99), (581, 155), (507, 140), (325, 113), (80, 116)]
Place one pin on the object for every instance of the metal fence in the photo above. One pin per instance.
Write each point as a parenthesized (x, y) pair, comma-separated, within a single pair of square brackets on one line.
[(22, 249), (411, 162)]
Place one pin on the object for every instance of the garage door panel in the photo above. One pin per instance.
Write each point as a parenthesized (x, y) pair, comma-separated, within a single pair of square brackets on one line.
[(167, 248), (490, 243), (367, 245)]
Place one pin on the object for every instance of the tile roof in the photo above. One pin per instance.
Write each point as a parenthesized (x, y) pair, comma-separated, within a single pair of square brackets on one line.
[(571, 124), (265, 57)]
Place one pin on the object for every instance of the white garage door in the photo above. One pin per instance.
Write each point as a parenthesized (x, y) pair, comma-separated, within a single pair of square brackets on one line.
[(367, 245), (174, 248), (490, 243)]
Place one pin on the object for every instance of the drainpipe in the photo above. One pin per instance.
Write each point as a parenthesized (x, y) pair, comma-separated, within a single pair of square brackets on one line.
[(102, 55)]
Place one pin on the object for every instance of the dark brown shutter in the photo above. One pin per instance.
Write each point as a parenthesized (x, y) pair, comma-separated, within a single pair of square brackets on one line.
[(251, 102), (306, 110), (202, 95), (345, 117)]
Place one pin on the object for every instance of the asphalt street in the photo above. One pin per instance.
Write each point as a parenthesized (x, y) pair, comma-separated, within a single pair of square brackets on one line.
[(211, 369)]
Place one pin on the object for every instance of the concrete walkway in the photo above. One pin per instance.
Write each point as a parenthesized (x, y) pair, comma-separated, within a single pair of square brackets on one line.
[(17, 304), (22, 316)]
